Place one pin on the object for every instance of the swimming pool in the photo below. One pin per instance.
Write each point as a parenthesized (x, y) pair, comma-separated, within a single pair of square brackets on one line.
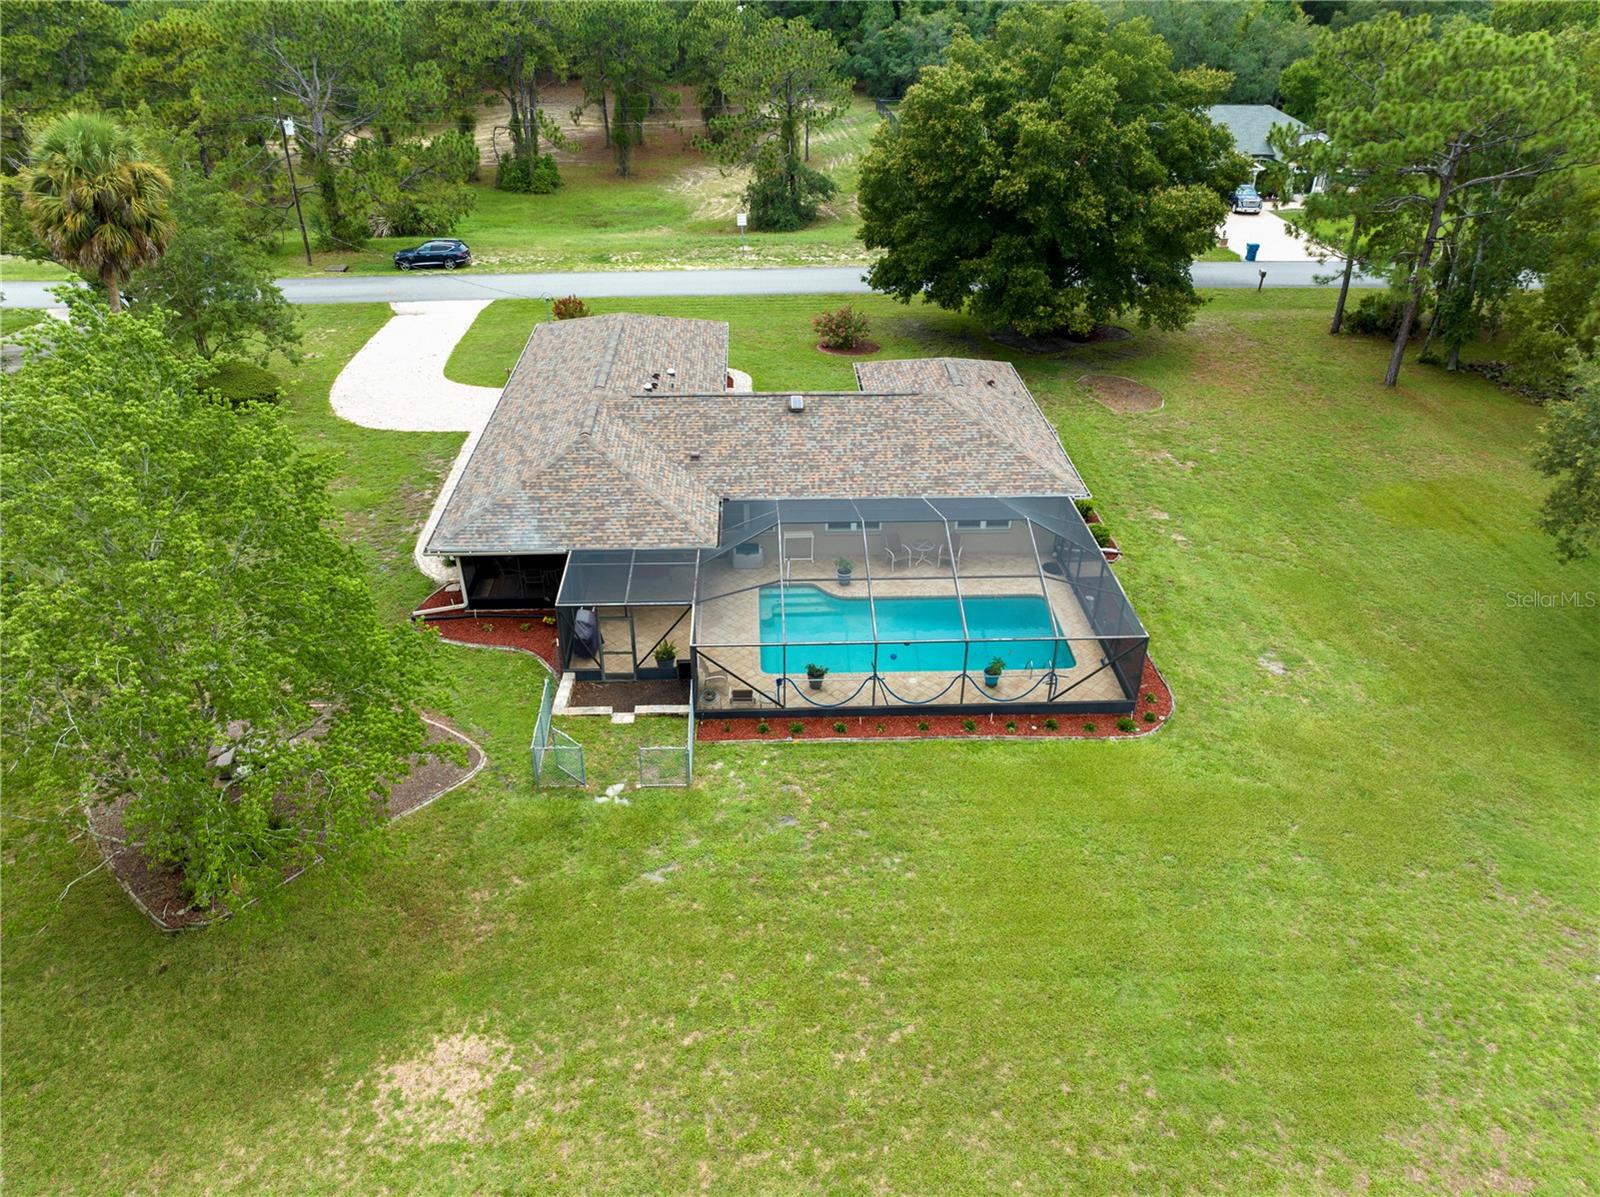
[(914, 634)]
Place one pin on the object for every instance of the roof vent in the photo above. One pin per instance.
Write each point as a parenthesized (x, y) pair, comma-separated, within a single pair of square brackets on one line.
[(797, 403), (672, 372), (694, 454)]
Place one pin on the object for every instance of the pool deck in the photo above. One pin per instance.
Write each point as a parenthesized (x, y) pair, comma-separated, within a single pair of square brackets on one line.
[(728, 634)]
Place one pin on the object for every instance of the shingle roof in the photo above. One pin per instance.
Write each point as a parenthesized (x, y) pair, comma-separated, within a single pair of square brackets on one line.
[(578, 454), (1250, 123)]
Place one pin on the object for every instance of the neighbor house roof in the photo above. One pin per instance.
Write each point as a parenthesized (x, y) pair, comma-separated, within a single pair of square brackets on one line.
[(1250, 124), (619, 432)]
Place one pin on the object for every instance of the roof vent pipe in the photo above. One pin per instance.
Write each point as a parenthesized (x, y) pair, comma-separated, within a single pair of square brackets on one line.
[(797, 403)]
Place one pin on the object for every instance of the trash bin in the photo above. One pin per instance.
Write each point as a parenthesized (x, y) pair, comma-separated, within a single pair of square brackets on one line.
[(1251, 248)]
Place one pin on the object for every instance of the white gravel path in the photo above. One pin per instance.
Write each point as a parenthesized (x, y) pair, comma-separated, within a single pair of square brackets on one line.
[(396, 381)]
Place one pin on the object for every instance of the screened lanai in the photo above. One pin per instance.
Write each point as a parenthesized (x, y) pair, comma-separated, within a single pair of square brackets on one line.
[(887, 604)]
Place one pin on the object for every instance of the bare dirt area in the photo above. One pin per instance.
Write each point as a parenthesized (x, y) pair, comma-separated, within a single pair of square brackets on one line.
[(629, 696), (860, 350), (160, 892), (663, 131), (1122, 395)]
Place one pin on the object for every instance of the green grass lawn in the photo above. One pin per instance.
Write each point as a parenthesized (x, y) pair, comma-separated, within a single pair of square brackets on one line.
[(14, 320), (1335, 233), (21, 270), (1331, 931), (676, 211)]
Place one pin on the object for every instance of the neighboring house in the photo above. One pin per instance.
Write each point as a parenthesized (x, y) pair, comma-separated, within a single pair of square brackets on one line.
[(1250, 124), (622, 482)]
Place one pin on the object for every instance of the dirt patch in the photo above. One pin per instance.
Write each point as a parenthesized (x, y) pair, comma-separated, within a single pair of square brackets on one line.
[(159, 891), (1069, 726), (1060, 342), (628, 696), (860, 350), (1122, 395), (441, 1095)]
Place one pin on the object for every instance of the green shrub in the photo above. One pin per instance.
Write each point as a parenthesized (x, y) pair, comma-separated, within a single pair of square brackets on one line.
[(1150, 700), (838, 729), (1126, 724), (1088, 727), (842, 329), (1085, 507), (797, 728), (569, 307), (528, 176), (970, 724), (880, 727), (922, 725), (762, 729), (242, 382), (1051, 725), (1150, 716), (1011, 725), (1376, 315), (1102, 534), (772, 207)]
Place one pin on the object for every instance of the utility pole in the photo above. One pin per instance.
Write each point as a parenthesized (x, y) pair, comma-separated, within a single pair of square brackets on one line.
[(284, 127)]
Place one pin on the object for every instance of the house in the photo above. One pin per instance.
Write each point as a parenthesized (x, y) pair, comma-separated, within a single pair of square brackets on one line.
[(1250, 125), (869, 551)]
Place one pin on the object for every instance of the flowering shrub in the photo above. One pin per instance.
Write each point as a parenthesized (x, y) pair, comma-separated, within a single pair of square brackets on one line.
[(569, 307), (844, 329)]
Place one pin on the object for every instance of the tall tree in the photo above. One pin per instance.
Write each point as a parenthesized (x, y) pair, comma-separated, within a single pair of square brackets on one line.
[(95, 199), (215, 283), (1447, 123), (625, 51), (340, 71), (1052, 177), (888, 59), (785, 79), (711, 35), (509, 49), (1254, 40), (54, 55), (173, 585), (167, 59), (1569, 452)]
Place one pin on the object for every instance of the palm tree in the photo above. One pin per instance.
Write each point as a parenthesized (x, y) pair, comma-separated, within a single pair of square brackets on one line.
[(95, 200)]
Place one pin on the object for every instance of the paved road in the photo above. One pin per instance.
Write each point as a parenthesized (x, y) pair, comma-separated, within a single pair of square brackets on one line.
[(808, 280)]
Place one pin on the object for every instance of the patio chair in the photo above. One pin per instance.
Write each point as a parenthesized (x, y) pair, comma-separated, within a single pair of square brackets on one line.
[(713, 683), (952, 551), (895, 549)]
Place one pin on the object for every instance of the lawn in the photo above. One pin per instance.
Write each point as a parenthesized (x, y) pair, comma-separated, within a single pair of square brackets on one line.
[(1331, 931), (676, 211)]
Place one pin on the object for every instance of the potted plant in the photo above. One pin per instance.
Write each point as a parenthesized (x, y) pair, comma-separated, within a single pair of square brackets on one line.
[(843, 569), (815, 674), (666, 654), (992, 672)]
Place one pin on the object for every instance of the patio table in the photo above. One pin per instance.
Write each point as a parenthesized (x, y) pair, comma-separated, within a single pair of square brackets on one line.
[(922, 550)]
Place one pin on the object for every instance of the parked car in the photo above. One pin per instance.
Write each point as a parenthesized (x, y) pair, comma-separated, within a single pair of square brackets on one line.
[(1246, 199), (447, 253)]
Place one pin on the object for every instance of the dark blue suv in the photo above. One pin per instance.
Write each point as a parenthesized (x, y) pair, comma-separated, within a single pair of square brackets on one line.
[(447, 253)]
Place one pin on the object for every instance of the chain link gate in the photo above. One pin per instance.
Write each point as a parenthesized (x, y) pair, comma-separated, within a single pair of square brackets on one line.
[(557, 757)]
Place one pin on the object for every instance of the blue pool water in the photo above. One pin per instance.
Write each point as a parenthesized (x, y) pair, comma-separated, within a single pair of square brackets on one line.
[(915, 634)]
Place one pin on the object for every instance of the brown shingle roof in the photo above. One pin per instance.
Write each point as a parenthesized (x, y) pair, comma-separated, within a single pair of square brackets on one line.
[(578, 454)]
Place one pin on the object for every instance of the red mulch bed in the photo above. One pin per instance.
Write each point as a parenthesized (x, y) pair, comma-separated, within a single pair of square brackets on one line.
[(527, 633), (900, 727), (864, 348), (160, 890)]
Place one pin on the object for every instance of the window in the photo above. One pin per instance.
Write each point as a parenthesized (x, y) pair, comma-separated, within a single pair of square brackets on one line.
[(854, 525), (983, 525)]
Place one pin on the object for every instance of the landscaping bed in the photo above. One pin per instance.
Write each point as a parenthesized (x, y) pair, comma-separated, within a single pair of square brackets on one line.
[(1122, 395), (159, 891), (522, 633), (932, 727), (860, 349)]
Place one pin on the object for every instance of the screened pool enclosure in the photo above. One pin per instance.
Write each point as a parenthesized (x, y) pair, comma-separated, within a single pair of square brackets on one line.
[(867, 605)]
